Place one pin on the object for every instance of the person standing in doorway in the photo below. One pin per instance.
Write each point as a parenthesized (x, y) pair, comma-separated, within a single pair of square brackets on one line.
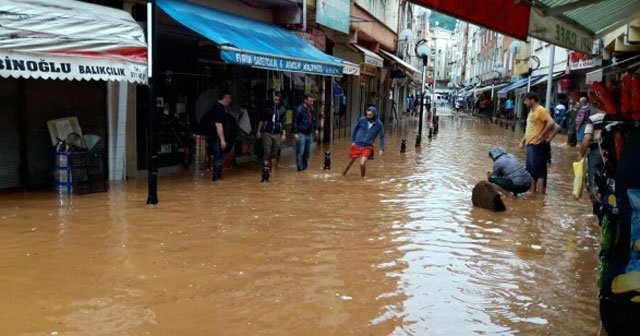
[(540, 124), (508, 106), (363, 136), (271, 131), (303, 128), (222, 131), (571, 123)]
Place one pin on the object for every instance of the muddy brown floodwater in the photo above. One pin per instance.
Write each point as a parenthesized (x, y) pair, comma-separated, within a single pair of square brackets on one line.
[(400, 253)]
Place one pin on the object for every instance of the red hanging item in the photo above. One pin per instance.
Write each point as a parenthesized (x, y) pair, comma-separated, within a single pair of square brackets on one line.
[(625, 96), (614, 88), (601, 98), (635, 97)]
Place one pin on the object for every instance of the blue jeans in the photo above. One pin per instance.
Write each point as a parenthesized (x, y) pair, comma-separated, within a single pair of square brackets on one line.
[(303, 150), (218, 159)]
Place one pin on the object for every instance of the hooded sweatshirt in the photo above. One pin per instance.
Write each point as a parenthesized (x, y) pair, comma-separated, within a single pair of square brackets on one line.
[(507, 166), (364, 134)]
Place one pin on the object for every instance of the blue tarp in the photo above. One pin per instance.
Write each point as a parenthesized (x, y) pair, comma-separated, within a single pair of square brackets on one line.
[(523, 82), (253, 43)]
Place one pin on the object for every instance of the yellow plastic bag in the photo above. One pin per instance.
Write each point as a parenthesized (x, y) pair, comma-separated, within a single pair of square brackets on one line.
[(578, 178)]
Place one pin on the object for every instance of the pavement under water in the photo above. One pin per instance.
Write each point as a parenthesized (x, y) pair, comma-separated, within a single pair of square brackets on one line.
[(402, 252)]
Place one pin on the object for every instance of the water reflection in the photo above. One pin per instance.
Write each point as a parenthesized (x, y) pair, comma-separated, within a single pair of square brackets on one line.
[(401, 253)]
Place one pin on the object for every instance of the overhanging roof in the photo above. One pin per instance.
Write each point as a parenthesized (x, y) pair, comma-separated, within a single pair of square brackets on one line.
[(396, 59), (70, 40), (253, 43), (596, 16)]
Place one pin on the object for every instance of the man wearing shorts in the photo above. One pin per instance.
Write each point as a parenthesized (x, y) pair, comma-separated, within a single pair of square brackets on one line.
[(364, 134), (540, 124), (508, 175)]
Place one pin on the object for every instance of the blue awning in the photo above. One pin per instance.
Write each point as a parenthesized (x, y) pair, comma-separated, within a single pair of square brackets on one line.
[(503, 92), (253, 43)]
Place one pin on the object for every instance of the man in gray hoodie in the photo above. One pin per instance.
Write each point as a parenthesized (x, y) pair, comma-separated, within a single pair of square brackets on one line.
[(508, 175)]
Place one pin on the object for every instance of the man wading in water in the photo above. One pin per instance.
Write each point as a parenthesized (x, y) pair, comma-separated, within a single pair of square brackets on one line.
[(539, 132), (362, 138)]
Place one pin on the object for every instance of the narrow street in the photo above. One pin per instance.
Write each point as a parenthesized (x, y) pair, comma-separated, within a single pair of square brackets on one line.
[(402, 252)]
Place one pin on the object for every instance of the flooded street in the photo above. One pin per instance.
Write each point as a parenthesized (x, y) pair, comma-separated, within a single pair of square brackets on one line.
[(314, 253)]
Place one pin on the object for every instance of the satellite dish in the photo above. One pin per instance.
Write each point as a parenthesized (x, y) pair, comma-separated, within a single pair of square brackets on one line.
[(515, 47), (406, 35)]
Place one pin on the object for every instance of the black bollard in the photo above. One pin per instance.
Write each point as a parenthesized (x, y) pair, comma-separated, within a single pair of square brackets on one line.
[(327, 161), (403, 146)]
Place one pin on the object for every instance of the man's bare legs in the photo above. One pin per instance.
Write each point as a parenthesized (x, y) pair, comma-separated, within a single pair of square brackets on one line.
[(346, 170), (363, 167), (534, 186)]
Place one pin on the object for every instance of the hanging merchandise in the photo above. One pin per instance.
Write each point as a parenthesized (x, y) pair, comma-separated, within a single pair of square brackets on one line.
[(600, 96), (620, 256), (625, 96), (635, 97)]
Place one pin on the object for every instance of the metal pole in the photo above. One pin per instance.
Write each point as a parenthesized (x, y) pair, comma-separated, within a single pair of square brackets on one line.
[(552, 54), (529, 47), (433, 94), (304, 16), (422, 96), (152, 153)]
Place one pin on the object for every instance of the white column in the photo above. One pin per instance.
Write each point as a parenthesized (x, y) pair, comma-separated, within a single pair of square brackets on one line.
[(552, 54)]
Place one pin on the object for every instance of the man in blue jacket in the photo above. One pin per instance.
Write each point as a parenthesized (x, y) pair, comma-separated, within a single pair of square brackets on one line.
[(364, 134), (304, 125)]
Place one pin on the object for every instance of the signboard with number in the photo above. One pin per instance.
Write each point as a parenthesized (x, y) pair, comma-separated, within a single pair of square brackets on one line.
[(334, 14), (555, 31)]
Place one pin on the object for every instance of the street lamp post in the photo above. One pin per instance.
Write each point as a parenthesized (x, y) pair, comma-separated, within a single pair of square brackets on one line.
[(433, 92), (422, 51)]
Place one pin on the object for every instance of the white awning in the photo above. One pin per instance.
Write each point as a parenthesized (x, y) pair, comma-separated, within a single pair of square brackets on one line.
[(370, 57), (402, 63), (70, 40)]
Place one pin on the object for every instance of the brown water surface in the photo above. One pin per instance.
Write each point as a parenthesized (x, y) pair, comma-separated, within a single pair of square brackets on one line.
[(400, 253)]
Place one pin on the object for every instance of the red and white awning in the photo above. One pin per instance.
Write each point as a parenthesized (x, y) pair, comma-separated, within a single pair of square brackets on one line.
[(70, 40)]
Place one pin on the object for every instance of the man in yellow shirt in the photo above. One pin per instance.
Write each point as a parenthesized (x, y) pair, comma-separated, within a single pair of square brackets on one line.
[(540, 125)]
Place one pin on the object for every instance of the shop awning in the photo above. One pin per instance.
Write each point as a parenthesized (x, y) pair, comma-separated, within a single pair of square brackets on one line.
[(70, 40), (487, 88), (402, 63), (516, 85), (505, 16), (252, 43), (370, 57), (544, 78)]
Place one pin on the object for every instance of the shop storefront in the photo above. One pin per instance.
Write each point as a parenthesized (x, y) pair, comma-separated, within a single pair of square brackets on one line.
[(63, 61), (204, 50)]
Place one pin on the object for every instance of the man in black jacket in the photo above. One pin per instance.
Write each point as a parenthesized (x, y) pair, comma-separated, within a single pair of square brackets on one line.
[(304, 125), (271, 130)]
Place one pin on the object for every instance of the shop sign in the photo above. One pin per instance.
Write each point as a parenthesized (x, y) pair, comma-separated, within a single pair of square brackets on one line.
[(376, 62), (18, 65), (279, 63), (560, 33), (369, 70), (351, 69), (579, 61), (334, 14)]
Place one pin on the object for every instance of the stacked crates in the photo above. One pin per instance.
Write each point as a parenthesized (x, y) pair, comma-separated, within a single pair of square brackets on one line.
[(78, 173)]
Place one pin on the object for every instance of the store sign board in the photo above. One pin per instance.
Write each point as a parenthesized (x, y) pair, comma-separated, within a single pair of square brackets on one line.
[(334, 14), (274, 62), (373, 61), (579, 61), (560, 33), (351, 69), (43, 66)]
